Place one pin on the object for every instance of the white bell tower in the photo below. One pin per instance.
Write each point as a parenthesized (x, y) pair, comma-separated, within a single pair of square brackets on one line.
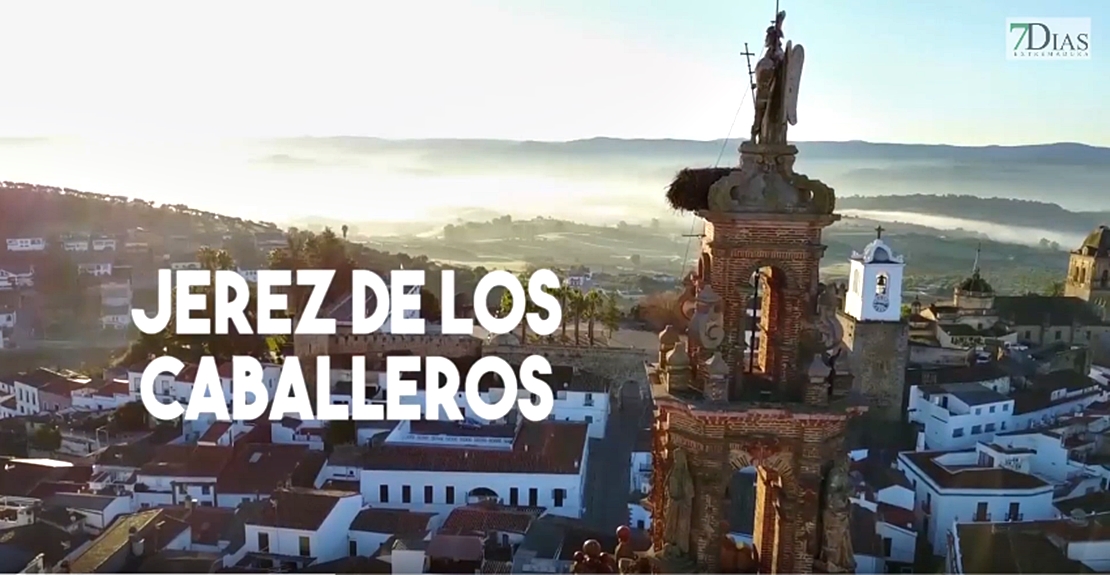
[(875, 283)]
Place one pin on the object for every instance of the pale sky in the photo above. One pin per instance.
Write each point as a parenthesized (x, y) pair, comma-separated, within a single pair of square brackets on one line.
[(928, 71)]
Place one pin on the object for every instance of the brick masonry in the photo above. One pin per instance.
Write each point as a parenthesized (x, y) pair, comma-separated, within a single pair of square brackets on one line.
[(791, 444)]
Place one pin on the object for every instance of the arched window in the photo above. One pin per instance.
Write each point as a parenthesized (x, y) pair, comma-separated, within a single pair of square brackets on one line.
[(882, 282), (1082, 275)]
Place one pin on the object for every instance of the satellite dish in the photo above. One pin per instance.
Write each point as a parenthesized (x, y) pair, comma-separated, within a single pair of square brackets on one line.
[(1078, 515)]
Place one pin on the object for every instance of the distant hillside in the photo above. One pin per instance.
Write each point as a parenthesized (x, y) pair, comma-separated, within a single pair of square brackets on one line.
[(1004, 211), (1072, 175), (30, 209)]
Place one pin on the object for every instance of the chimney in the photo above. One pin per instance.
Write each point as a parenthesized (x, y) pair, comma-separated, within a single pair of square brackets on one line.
[(137, 543)]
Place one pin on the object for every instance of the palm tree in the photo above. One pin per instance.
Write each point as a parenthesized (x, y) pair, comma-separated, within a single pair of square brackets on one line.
[(592, 308), (575, 307), (506, 307)]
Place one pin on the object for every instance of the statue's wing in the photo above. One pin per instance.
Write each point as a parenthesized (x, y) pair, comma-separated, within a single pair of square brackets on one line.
[(795, 57)]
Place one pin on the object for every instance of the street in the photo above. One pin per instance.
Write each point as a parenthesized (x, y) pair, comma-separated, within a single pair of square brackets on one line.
[(609, 466)]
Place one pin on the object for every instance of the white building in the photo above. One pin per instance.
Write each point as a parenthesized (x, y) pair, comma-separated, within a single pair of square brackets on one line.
[(972, 485), (96, 269), (873, 274), (580, 396), (957, 407), (29, 244), (256, 470), (104, 243), (436, 466), (98, 510), (374, 526), (75, 243), (302, 523), (16, 276), (179, 472), (115, 317)]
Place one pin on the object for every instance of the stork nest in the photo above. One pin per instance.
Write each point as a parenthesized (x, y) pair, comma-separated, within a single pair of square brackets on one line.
[(689, 191)]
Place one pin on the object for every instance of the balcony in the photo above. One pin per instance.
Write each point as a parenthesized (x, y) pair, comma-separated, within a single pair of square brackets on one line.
[(1015, 517), (981, 517)]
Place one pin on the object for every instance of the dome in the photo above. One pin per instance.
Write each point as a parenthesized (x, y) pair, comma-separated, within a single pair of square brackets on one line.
[(669, 336), (1097, 243), (976, 284), (678, 356), (877, 252)]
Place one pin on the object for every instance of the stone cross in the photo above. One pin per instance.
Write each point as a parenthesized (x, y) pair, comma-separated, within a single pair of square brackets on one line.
[(879, 232)]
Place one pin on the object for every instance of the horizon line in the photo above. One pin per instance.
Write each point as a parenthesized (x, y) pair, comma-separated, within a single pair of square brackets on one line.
[(538, 141)]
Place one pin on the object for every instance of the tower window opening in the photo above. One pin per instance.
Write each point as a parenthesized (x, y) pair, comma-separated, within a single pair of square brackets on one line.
[(1105, 279), (1082, 275), (881, 283)]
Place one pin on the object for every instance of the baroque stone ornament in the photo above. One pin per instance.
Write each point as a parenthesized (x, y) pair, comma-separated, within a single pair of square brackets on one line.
[(707, 323), (592, 559), (836, 537), (680, 502)]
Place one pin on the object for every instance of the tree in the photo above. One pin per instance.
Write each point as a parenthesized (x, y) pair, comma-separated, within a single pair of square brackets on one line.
[(575, 307), (130, 417), (1054, 289), (212, 259), (592, 309), (506, 307), (610, 314), (47, 438), (340, 432), (430, 308), (344, 229)]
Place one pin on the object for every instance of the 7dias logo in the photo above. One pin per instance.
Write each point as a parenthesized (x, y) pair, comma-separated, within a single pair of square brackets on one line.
[(1048, 38)]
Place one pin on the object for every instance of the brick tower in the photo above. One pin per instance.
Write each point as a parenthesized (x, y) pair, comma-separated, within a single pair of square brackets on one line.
[(754, 382)]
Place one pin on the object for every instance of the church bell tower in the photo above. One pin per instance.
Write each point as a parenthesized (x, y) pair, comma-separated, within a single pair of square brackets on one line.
[(752, 383), (877, 338)]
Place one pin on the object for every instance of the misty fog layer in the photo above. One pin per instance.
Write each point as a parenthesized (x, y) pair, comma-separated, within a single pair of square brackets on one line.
[(595, 181), (1002, 233)]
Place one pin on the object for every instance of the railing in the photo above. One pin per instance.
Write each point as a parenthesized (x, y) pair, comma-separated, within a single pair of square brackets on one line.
[(1015, 516), (981, 517)]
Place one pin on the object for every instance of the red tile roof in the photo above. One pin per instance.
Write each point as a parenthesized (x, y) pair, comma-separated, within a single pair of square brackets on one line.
[(188, 461), (263, 467), (489, 517), (300, 508), (399, 522), (455, 548), (973, 477), (546, 447), (113, 388), (215, 432), (895, 515), (207, 524)]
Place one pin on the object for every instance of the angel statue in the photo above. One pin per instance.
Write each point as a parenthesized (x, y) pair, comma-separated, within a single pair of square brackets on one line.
[(777, 76)]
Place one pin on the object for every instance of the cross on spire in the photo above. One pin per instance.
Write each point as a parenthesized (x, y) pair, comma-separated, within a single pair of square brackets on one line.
[(978, 249), (879, 232)]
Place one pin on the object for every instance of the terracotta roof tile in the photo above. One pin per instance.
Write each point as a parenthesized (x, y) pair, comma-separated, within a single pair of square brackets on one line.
[(548, 447), (262, 468), (455, 548), (489, 517), (971, 477), (399, 522), (299, 508), (208, 525), (215, 432), (188, 461), (895, 515)]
